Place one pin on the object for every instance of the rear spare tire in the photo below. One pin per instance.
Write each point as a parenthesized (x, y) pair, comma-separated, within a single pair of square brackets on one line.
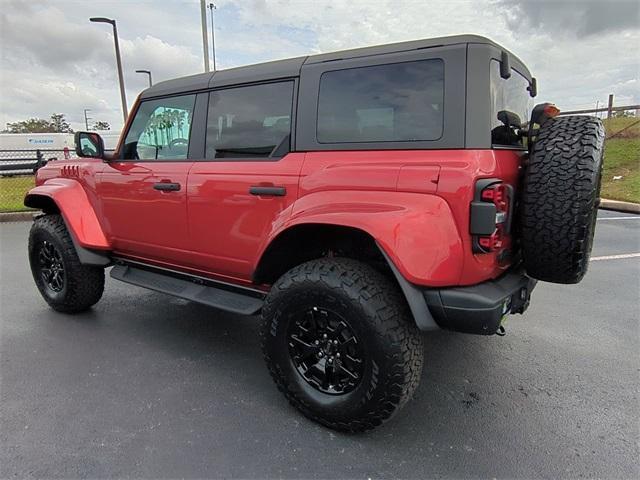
[(560, 198)]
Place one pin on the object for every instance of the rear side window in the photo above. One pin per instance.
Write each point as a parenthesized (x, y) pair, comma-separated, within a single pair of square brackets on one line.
[(251, 121), (384, 103), (160, 130), (508, 96)]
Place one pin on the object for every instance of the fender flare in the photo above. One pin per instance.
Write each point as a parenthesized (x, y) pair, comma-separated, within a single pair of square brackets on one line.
[(70, 199), (415, 299), (389, 220)]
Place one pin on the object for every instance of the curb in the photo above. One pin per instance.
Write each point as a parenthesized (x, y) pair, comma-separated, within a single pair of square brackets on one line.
[(17, 217), (618, 206)]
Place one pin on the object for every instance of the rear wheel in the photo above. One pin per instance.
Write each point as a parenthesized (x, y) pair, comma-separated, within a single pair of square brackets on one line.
[(65, 284), (560, 198), (339, 342)]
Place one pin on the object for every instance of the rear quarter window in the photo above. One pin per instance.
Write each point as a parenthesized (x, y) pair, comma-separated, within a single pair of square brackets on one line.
[(399, 102)]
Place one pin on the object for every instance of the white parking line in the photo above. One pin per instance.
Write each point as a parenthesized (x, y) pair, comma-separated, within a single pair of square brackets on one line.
[(615, 257), (619, 218)]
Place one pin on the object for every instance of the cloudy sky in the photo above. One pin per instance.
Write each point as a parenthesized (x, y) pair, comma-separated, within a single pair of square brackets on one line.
[(54, 60)]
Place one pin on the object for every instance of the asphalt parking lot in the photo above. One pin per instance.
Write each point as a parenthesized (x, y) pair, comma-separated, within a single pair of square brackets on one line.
[(145, 385)]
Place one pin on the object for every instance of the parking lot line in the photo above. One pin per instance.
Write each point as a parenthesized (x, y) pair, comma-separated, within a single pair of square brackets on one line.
[(615, 257)]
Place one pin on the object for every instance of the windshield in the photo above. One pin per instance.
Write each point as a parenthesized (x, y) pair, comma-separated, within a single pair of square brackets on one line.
[(508, 97)]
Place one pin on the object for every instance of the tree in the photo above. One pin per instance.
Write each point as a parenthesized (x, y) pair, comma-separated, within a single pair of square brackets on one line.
[(100, 125), (60, 124), (57, 124)]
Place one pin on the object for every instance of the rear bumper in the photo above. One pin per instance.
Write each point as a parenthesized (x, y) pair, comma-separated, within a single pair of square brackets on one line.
[(480, 308)]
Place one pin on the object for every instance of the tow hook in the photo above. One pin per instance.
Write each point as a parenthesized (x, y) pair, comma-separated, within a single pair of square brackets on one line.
[(501, 332)]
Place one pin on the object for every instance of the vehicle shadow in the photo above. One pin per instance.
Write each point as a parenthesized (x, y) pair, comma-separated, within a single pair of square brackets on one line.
[(456, 366)]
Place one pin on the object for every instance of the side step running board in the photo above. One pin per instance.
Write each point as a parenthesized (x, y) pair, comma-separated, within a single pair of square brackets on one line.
[(188, 289)]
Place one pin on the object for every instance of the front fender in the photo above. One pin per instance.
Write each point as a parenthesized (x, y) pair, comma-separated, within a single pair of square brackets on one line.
[(416, 231), (78, 213)]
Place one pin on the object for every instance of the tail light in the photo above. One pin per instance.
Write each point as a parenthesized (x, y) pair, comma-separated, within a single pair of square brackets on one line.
[(491, 212)]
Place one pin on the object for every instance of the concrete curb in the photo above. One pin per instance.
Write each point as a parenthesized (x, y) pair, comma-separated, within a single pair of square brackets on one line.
[(618, 206), (17, 217)]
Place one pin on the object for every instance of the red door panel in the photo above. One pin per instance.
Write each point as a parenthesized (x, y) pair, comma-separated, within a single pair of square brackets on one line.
[(144, 219), (227, 223)]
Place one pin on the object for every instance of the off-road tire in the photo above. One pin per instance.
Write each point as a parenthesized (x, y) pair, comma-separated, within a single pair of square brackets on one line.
[(379, 316), (560, 198), (83, 284)]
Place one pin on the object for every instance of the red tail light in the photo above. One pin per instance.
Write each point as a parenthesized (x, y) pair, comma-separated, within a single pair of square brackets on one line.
[(490, 215)]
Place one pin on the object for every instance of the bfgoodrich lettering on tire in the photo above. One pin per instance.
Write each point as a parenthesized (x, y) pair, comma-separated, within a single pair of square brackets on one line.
[(339, 343), (560, 198)]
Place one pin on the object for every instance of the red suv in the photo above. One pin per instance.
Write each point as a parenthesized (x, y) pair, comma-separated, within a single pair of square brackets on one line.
[(355, 199)]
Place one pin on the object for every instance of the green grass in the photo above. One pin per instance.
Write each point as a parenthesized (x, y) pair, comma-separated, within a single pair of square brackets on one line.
[(614, 125), (12, 192), (621, 158)]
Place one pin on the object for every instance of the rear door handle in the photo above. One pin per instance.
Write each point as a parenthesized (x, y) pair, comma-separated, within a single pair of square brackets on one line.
[(270, 191), (167, 187)]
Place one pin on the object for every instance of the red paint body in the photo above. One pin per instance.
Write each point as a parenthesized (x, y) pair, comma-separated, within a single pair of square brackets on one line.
[(414, 203)]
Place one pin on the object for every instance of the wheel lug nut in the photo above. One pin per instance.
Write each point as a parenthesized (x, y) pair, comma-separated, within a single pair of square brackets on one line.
[(338, 354), (320, 354), (317, 342), (335, 342), (324, 335)]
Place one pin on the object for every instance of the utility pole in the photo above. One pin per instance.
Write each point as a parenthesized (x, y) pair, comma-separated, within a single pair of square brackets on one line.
[(213, 7), (205, 40), (123, 96), (86, 119), (610, 107)]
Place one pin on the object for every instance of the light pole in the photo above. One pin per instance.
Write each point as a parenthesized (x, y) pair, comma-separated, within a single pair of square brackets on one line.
[(148, 73), (213, 7), (123, 96), (205, 40)]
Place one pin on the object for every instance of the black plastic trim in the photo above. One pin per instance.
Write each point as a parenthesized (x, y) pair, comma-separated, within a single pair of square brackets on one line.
[(480, 309), (187, 288), (417, 304)]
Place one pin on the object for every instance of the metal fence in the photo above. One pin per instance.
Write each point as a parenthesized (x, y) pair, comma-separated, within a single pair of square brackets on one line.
[(16, 173)]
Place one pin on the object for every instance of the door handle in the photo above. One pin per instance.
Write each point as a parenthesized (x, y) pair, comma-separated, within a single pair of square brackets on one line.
[(268, 191), (167, 187)]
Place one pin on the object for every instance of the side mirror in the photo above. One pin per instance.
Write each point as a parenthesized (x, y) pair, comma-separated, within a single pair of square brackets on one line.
[(89, 145), (505, 65), (533, 87)]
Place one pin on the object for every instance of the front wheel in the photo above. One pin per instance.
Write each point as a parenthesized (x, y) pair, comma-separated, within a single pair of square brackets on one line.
[(65, 284), (340, 344)]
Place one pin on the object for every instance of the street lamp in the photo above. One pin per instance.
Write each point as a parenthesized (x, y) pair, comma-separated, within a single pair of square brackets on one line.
[(213, 7), (148, 73), (123, 96)]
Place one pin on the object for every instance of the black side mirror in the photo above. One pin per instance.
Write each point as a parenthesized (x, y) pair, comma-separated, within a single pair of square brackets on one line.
[(505, 65), (89, 144), (533, 87)]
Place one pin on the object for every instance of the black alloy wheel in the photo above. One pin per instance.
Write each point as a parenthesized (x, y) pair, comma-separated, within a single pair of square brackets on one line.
[(51, 266), (325, 351)]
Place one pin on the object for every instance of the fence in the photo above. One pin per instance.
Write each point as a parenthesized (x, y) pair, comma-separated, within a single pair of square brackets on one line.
[(610, 109)]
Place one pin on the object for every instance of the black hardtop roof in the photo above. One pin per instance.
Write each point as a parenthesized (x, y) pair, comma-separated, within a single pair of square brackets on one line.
[(290, 67)]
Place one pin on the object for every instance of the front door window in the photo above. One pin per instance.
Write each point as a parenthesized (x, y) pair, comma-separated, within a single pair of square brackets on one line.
[(160, 130)]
